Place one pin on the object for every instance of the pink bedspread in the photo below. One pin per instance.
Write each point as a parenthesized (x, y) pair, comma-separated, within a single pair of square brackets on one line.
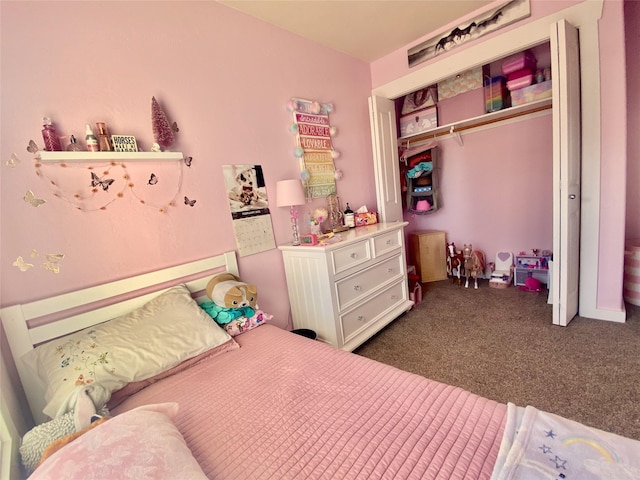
[(283, 406)]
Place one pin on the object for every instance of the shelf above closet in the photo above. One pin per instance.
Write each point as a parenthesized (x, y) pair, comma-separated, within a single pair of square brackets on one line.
[(479, 121), (46, 156)]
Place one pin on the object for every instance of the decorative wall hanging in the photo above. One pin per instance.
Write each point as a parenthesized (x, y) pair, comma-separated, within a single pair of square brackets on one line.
[(506, 14), (106, 183), (249, 205), (314, 146)]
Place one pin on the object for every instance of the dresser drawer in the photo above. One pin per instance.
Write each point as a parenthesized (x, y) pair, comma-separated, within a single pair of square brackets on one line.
[(360, 284), (350, 256), (387, 242), (358, 319)]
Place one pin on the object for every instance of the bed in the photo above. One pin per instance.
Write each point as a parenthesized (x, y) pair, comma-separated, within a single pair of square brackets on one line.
[(266, 403)]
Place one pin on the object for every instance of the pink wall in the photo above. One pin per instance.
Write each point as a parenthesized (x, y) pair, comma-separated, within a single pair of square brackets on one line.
[(223, 76), (613, 141)]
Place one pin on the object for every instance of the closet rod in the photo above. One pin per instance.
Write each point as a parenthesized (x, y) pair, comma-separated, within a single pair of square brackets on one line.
[(480, 123)]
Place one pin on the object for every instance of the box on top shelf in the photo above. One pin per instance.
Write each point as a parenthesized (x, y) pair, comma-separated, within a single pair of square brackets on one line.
[(495, 94), (532, 93), (519, 61), (520, 79), (418, 121), (420, 99)]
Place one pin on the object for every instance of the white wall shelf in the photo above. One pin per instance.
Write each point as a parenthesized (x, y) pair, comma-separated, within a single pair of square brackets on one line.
[(479, 121), (46, 156)]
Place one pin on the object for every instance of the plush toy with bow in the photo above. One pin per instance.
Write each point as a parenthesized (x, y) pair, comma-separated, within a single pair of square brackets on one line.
[(231, 298)]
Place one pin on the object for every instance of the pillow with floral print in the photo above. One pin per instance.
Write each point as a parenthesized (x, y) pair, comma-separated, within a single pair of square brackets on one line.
[(167, 330)]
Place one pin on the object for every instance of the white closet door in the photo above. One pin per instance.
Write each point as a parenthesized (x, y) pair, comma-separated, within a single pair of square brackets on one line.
[(384, 137), (565, 68)]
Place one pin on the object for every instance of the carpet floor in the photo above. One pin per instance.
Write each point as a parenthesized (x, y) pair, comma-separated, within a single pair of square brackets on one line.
[(501, 344)]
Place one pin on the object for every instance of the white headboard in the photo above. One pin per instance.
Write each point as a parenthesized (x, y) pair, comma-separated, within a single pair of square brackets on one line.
[(33, 323)]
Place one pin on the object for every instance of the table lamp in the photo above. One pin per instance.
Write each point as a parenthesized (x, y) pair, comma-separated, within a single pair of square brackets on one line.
[(289, 193)]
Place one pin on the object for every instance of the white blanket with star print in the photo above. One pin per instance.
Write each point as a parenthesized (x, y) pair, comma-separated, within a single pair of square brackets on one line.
[(540, 445)]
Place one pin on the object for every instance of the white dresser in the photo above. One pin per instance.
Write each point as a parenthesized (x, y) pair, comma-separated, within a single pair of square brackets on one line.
[(349, 290)]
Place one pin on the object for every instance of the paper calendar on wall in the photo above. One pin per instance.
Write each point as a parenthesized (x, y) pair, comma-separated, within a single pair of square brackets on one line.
[(249, 208)]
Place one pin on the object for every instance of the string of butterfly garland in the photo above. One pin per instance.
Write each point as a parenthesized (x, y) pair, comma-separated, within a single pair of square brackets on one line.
[(99, 182)]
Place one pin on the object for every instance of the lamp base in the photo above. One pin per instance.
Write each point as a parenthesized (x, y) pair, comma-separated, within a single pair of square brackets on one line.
[(294, 225)]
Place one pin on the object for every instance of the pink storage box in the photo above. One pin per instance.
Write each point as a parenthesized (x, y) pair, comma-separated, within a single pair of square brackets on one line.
[(519, 61), (418, 121), (539, 91), (520, 79)]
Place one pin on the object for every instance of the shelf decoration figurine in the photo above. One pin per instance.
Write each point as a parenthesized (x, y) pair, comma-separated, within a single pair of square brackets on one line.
[(315, 222), (162, 129), (289, 193)]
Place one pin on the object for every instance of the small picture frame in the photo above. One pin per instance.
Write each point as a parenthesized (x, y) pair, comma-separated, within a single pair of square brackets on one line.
[(124, 143)]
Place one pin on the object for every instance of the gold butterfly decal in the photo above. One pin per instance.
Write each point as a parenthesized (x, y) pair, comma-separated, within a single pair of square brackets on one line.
[(22, 265), (13, 161), (153, 179), (187, 161), (96, 181), (191, 203), (31, 199), (52, 263), (174, 127), (32, 147)]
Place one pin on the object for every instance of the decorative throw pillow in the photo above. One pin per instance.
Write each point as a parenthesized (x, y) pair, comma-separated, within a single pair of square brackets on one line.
[(165, 331), (140, 443)]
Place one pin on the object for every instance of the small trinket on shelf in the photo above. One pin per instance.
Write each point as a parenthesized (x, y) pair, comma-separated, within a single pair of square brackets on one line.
[(50, 136), (73, 146), (103, 137), (92, 141)]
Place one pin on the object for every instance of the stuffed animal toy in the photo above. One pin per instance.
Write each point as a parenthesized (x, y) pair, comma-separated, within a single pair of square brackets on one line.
[(231, 297)]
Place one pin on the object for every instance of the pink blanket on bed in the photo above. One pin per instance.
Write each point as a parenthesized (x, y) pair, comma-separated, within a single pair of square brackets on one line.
[(283, 406)]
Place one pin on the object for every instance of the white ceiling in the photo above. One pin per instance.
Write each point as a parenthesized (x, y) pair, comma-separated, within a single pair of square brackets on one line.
[(364, 29)]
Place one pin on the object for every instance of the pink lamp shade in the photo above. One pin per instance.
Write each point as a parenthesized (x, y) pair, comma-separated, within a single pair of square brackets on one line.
[(289, 192)]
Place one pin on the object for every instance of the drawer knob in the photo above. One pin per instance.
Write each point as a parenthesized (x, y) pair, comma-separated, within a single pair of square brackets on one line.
[(389, 242), (354, 255), (390, 270), (361, 318), (394, 297), (357, 288)]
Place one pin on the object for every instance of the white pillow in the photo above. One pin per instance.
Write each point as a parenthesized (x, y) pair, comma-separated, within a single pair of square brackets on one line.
[(142, 443), (165, 331)]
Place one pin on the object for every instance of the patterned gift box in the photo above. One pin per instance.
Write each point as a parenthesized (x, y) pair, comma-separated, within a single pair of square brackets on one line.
[(532, 93)]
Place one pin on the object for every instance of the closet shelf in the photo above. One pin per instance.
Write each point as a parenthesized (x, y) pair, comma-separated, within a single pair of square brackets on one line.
[(46, 156), (482, 120)]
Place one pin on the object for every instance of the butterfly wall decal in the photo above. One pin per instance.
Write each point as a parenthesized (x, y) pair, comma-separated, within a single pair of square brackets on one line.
[(31, 199), (174, 127), (13, 161), (153, 179), (96, 181), (32, 147), (52, 263), (22, 265), (191, 203), (187, 161)]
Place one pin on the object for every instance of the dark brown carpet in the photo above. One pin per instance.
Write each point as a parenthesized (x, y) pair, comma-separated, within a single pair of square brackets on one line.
[(501, 344)]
